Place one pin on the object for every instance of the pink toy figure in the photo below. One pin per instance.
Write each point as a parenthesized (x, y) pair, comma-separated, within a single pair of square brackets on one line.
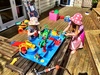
[(76, 31), (53, 16)]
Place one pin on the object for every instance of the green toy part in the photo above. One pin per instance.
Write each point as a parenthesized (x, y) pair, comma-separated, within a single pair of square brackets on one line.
[(44, 35), (18, 23), (56, 11), (42, 43)]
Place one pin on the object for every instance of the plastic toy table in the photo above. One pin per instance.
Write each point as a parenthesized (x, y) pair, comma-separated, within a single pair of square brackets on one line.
[(43, 54)]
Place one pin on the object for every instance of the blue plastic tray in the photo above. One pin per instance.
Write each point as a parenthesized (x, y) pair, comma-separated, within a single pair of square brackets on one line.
[(51, 49)]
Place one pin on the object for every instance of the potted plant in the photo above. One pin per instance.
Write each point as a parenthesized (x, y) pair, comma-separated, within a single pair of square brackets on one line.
[(94, 3)]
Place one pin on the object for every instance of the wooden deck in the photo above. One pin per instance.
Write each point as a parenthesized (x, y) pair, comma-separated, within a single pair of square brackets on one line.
[(80, 62), (96, 16), (93, 38), (6, 49)]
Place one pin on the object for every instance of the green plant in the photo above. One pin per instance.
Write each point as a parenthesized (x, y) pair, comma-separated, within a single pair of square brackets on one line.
[(94, 1)]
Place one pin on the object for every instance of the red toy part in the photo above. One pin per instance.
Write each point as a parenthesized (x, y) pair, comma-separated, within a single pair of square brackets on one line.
[(51, 38), (44, 49), (23, 50), (61, 17), (57, 42), (16, 43), (36, 34)]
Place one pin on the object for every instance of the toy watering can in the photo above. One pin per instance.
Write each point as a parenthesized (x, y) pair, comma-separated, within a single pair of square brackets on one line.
[(67, 19)]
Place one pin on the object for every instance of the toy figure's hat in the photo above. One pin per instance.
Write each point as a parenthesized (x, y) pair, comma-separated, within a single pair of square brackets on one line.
[(33, 21), (77, 19)]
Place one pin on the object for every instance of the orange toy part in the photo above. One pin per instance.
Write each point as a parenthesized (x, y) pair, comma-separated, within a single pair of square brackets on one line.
[(22, 45), (57, 67), (20, 30)]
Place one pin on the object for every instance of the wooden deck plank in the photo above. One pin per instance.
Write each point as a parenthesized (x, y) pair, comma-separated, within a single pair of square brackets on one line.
[(96, 16), (31, 68), (18, 62), (6, 48), (97, 10), (78, 63), (27, 68), (89, 71), (94, 46), (84, 57), (81, 64), (19, 37), (86, 63), (6, 72), (21, 63), (71, 63), (24, 66)]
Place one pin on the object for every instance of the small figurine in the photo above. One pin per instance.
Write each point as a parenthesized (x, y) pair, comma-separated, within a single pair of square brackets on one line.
[(37, 56)]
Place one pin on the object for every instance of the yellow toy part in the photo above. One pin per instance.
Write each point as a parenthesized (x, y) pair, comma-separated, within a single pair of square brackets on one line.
[(54, 33), (13, 61), (42, 60), (29, 44), (23, 25), (26, 21), (23, 45)]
